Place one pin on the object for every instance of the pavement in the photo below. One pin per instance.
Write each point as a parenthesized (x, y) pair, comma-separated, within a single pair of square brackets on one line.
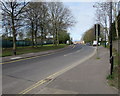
[(27, 55), (87, 78), (72, 71)]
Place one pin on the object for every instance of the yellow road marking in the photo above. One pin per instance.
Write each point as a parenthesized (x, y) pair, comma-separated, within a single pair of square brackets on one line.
[(39, 83), (31, 57), (51, 76), (26, 58), (33, 86), (43, 81)]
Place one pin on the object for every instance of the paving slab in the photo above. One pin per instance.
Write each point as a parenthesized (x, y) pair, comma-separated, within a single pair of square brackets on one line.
[(87, 78)]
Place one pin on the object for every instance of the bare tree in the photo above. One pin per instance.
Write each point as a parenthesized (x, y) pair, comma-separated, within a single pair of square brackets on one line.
[(37, 20), (13, 10), (103, 14), (116, 13), (61, 18), (44, 21)]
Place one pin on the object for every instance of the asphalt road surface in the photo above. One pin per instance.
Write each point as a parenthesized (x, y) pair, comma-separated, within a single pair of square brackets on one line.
[(18, 76)]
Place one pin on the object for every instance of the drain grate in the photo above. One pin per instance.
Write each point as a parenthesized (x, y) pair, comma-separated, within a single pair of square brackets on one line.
[(48, 79)]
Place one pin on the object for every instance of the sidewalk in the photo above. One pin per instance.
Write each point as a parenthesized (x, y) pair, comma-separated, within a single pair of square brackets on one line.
[(12, 58), (87, 78)]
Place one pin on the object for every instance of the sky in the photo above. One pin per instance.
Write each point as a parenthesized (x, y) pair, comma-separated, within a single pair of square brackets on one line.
[(84, 15)]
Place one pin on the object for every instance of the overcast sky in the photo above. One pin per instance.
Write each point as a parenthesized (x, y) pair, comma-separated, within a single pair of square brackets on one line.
[(84, 14)]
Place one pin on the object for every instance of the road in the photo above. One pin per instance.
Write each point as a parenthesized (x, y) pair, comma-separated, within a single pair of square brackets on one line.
[(18, 76)]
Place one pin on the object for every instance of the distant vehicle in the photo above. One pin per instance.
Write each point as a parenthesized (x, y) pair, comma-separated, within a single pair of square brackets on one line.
[(94, 43), (74, 43), (67, 42), (88, 44)]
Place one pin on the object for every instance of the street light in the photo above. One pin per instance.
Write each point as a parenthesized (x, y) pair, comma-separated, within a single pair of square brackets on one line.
[(111, 57)]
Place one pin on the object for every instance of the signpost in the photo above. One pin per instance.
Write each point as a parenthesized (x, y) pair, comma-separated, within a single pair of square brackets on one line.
[(97, 35)]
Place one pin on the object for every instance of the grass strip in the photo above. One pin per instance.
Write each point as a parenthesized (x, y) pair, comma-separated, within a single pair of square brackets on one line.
[(24, 50)]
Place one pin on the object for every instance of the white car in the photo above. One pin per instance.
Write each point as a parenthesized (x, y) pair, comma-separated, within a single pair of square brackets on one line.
[(94, 43)]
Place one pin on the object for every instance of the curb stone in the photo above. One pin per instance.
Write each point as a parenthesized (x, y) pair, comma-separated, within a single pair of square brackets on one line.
[(29, 55)]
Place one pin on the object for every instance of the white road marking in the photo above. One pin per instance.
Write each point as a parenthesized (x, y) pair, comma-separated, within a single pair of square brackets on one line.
[(72, 53), (15, 58), (30, 53), (68, 54), (39, 83)]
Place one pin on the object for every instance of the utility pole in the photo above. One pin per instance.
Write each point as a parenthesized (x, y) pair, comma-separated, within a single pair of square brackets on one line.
[(111, 57)]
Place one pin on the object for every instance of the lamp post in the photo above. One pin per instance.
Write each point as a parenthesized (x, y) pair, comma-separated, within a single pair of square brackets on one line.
[(111, 57)]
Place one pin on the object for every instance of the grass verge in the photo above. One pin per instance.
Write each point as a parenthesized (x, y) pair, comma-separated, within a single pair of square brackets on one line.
[(113, 80), (24, 50)]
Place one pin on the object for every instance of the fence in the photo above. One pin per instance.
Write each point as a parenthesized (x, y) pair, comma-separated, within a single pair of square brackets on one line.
[(19, 43)]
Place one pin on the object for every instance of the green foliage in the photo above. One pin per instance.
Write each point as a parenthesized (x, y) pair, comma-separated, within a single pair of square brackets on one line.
[(110, 77), (7, 38), (89, 35), (27, 39), (113, 79), (63, 37)]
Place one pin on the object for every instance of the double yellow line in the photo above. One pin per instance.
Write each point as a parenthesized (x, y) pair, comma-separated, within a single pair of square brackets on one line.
[(32, 87), (37, 84), (41, 81), (44, 80), (53, 76)]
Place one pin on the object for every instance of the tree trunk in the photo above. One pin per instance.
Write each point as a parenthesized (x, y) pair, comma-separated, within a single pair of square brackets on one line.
[(57, 37), (116, 27), (53, 38), (14, 35), (36, 38), (14, 41), (42, 32), (32, 34), (116, 21)]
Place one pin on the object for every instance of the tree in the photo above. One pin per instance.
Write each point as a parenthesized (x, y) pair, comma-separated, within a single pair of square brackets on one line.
[(37, 20), (103, 15), (119, 24), (31, 20), (61, 18), (89, 35), (116, 14), (64, 36), (44, 21), (13, 10)]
